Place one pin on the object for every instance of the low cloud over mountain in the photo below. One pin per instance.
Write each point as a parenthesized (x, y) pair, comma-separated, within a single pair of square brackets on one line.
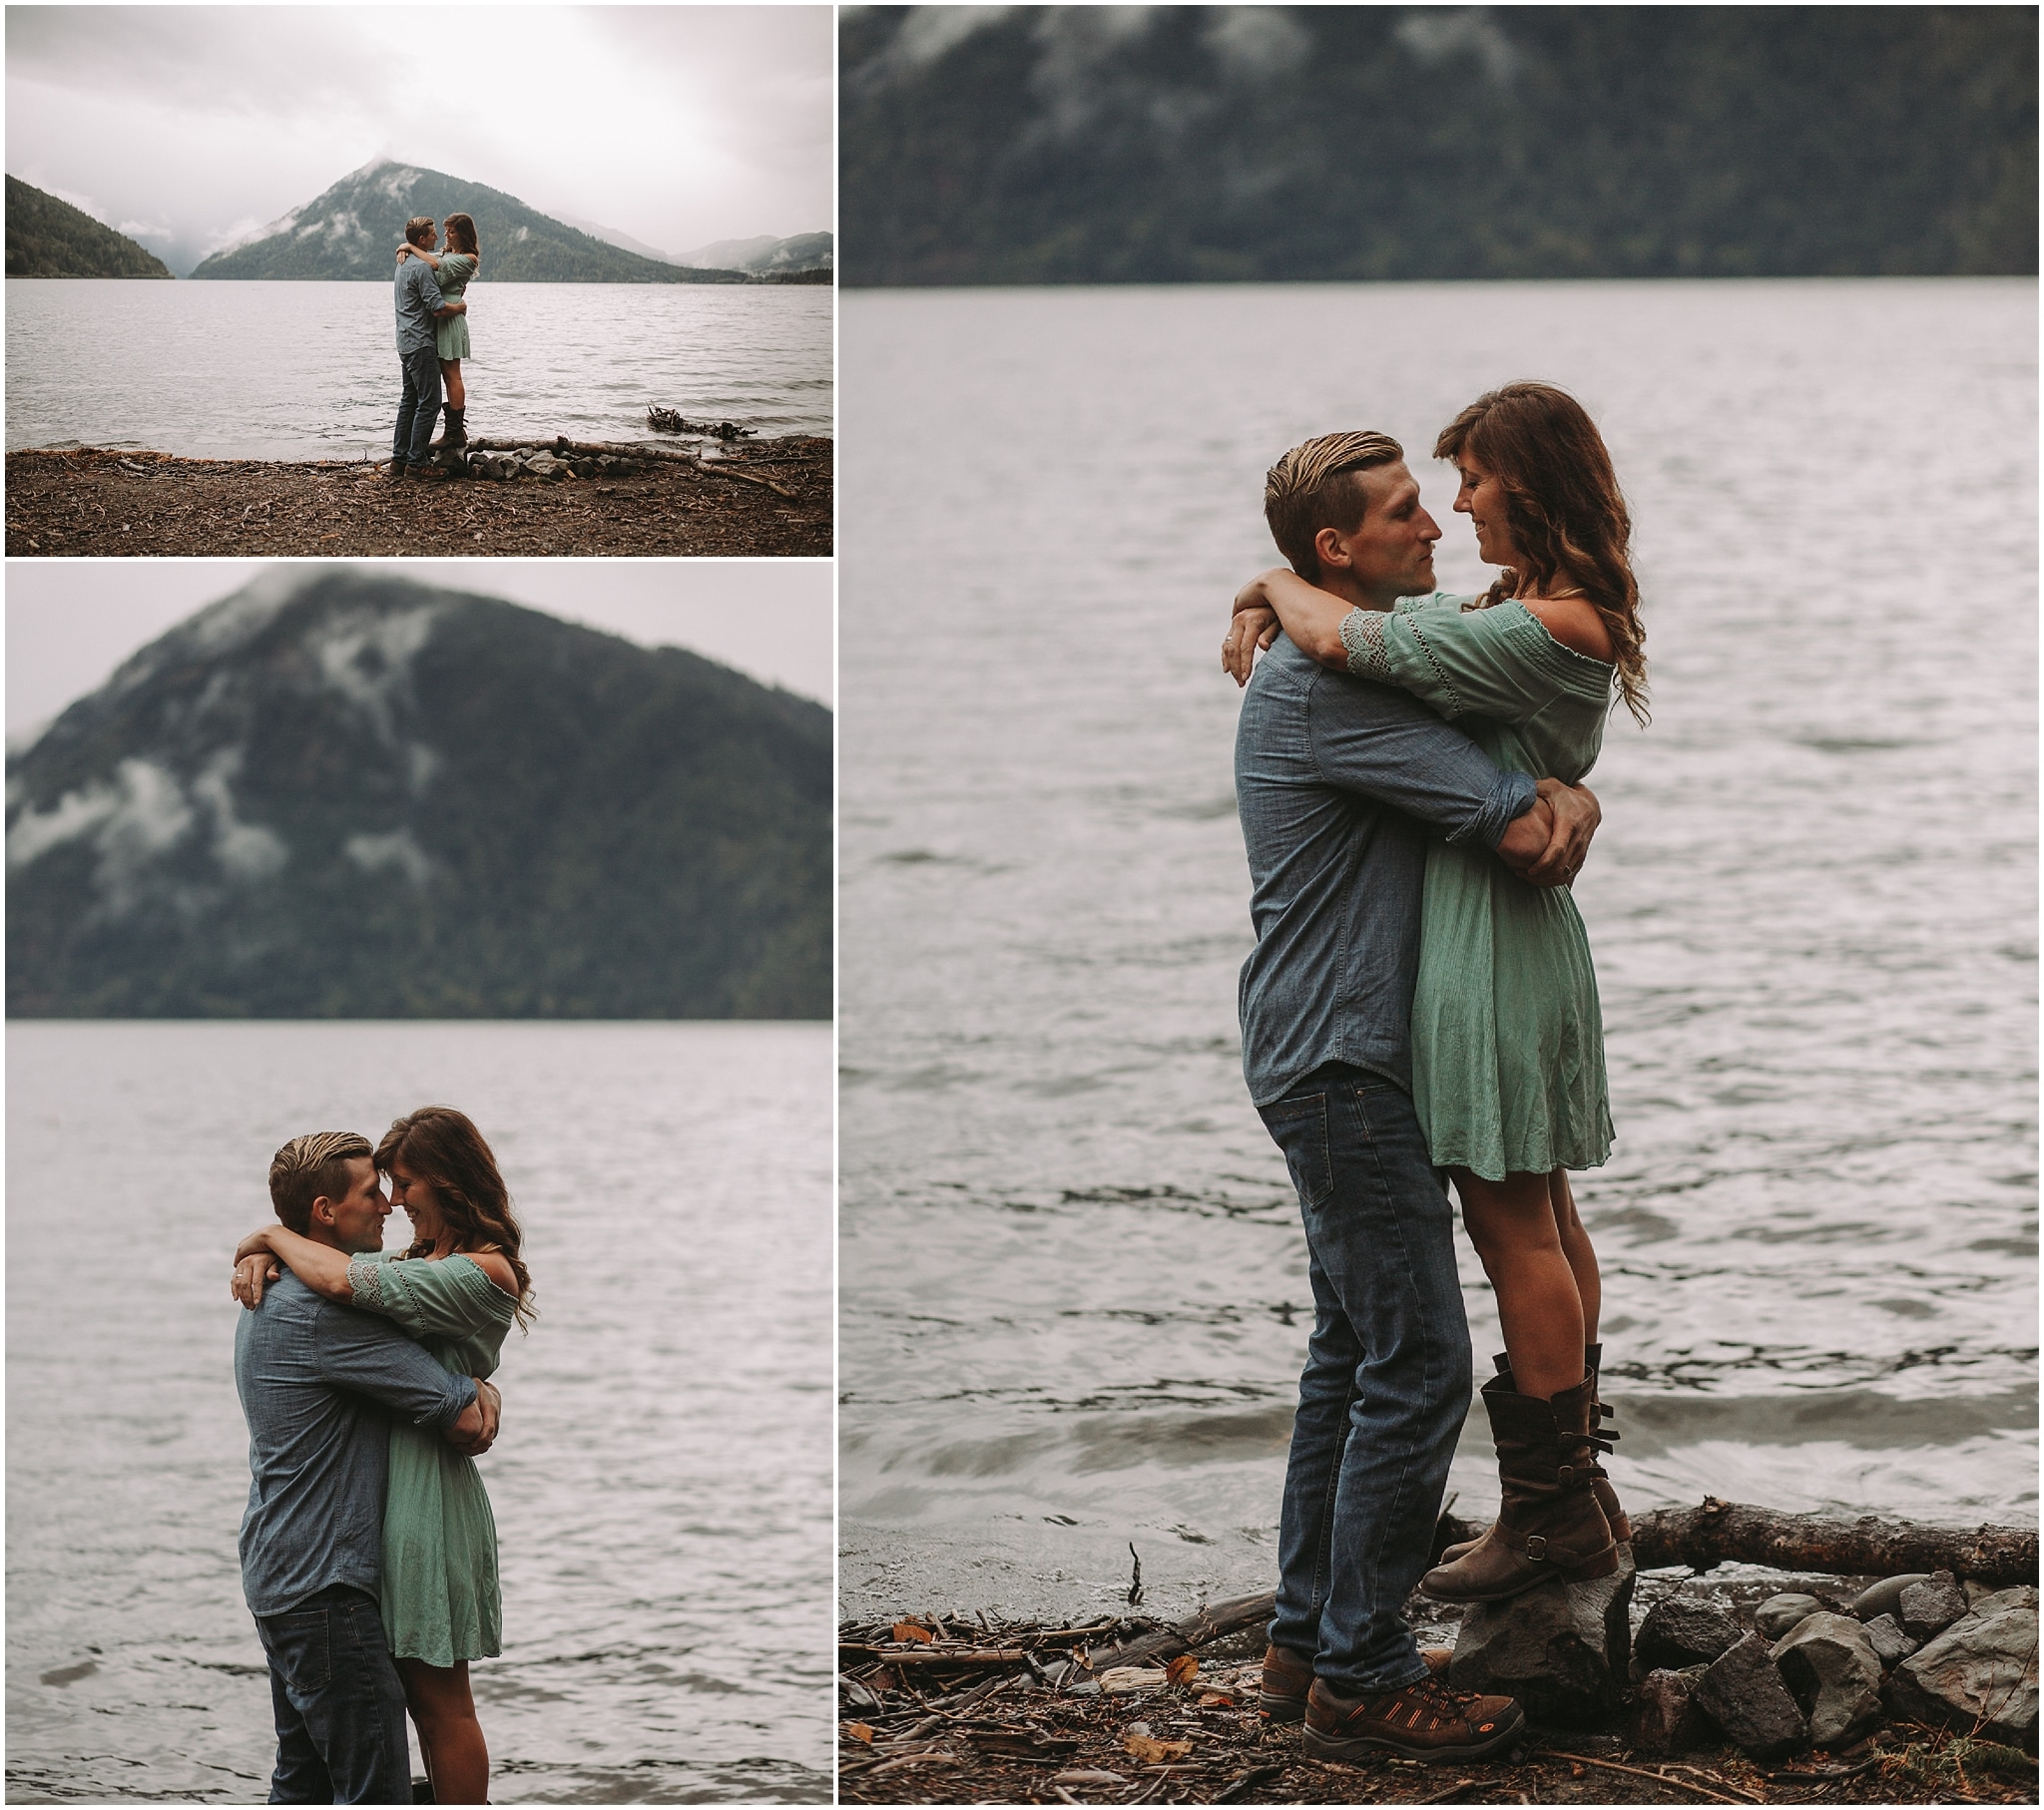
[(341, 793)]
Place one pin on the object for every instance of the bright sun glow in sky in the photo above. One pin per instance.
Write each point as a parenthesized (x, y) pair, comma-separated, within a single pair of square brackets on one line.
[(189, 126)]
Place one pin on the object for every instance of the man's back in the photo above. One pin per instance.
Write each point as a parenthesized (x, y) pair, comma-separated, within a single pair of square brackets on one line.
[(1339, 783), (311, 1375), (418, 296)]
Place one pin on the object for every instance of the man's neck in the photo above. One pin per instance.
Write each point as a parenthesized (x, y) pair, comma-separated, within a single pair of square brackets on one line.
[(1360, 596)]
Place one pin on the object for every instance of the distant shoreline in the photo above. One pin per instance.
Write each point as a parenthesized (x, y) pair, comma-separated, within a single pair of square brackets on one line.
[(95, 503)]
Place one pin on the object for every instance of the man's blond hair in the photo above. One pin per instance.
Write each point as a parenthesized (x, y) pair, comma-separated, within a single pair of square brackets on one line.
[(310, 1166), (420, 222), (1319, 484)]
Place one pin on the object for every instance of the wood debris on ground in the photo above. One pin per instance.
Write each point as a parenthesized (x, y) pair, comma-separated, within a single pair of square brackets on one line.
[(96, 503), (937, 1709)]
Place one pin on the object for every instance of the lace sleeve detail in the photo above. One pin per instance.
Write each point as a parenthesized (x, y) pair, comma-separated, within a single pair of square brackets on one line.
[(365, 1282), (1451, 704), (1362, 634)]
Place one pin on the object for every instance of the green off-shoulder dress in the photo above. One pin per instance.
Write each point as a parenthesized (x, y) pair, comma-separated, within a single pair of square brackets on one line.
[(1507, 1037), (451, 335), (440, 1598)]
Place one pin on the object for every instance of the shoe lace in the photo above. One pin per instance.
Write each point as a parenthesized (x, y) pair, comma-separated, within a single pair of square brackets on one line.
[(1435, 1699)]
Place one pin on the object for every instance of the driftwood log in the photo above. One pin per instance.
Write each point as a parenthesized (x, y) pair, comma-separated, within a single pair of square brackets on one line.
[(1716, 1532), (1216, 1620), (563, 447)]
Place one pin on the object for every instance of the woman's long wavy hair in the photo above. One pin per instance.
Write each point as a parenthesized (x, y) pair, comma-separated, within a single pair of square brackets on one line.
[(442, 1149), (461, 234), (1563, 506)]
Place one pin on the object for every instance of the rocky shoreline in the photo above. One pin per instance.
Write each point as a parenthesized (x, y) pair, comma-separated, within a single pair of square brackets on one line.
[(773, 500), (1744, 1685)]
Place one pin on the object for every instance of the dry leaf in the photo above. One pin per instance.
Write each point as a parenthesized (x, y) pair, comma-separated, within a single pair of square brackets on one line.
[(1216, 1699), (1182, 1670), (907, 1631), (859, 1733), (1156, 1753)]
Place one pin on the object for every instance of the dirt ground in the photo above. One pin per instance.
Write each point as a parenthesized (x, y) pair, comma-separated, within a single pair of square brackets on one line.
[(1009, 1740), (96, 503)]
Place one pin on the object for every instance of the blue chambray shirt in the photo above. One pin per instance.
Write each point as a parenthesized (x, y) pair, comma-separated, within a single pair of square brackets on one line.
[(1338, 783), (316, 1380), (418, 295)]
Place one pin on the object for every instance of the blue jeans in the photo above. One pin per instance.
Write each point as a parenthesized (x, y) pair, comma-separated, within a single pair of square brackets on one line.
[(1387, 1383), (341, 1736), (420, 406)]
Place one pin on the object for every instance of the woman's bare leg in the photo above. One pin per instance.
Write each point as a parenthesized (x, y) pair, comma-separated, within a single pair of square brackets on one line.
[(457, 1762), (450, 379), (1575, 1246), (1514, 1226)]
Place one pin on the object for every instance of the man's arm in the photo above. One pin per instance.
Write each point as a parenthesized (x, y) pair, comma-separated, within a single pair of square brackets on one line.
[(1377, 741), (359, 1351)]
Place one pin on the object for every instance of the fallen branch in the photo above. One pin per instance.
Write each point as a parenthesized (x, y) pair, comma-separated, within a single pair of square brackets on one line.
[(1719, 1532), (1639, 1772), (1216, 1620)]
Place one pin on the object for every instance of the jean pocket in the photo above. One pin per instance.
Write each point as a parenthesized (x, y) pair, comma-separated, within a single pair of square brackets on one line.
[(301, 1651), (1300, 1130)]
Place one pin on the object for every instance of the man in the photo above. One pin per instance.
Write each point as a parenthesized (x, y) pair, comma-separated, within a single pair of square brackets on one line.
[(316, 1380), (419, 307), (1340, 784)]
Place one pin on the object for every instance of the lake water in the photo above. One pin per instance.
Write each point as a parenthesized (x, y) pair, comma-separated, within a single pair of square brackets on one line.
[(661, 1486), (308, 370), (1072, 1292)]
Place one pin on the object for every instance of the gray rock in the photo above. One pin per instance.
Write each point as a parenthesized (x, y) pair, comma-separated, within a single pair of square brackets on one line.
[(1681, 1631), (1930, 1607), (1665, 1717), (1885, 1598), (1561, 1649), (1833, 1673), (2024, 1595), (1776, 1616), (1980, 1675), (1890, 1645), (1743, 1694), (543, 465)]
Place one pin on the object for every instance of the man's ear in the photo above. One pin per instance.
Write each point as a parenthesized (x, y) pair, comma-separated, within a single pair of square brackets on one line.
[(322, 1210), (1330, 544)]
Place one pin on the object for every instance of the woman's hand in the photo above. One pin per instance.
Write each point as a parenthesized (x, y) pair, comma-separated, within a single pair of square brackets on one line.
[(1252, 629), (255, 1242), (252, 1273), (403, 251)]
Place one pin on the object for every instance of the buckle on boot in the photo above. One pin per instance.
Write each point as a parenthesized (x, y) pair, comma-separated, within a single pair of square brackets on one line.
[(1564, 1475), (1536, 1548)]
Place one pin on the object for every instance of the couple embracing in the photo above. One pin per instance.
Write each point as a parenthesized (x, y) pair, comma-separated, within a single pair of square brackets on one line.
[(1420, 1009), (369, 1550), (433, 339)]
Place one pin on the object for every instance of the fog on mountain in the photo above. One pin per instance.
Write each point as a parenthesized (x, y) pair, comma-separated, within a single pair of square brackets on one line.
[(349, 795)]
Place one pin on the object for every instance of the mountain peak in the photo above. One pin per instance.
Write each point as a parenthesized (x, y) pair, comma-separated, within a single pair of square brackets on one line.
[(342, 793)]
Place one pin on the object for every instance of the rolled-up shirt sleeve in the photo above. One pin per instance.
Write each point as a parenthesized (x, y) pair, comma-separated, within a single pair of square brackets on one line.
[(1372, 739), (370, 1356)]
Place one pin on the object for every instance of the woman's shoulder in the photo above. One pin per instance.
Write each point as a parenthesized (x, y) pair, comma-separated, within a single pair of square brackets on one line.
[(1574, 622), (497, 1267)]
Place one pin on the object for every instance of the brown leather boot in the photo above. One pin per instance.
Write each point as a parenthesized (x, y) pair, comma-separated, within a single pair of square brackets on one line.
[(1423, 1722), (1607, 1496), (1549, 1525), (1287, 1676)]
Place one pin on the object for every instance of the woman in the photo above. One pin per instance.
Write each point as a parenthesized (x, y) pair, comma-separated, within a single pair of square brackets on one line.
[(1507, 1038), (454, 266), (456, 1290)]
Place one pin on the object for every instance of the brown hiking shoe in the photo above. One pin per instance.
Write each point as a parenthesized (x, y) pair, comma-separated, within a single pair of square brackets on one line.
[(431, 473), (1287, 1676), (1423, 1721)]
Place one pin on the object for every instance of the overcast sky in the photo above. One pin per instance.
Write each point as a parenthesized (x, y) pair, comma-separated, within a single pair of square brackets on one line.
[(189, 126), (71, 622)]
